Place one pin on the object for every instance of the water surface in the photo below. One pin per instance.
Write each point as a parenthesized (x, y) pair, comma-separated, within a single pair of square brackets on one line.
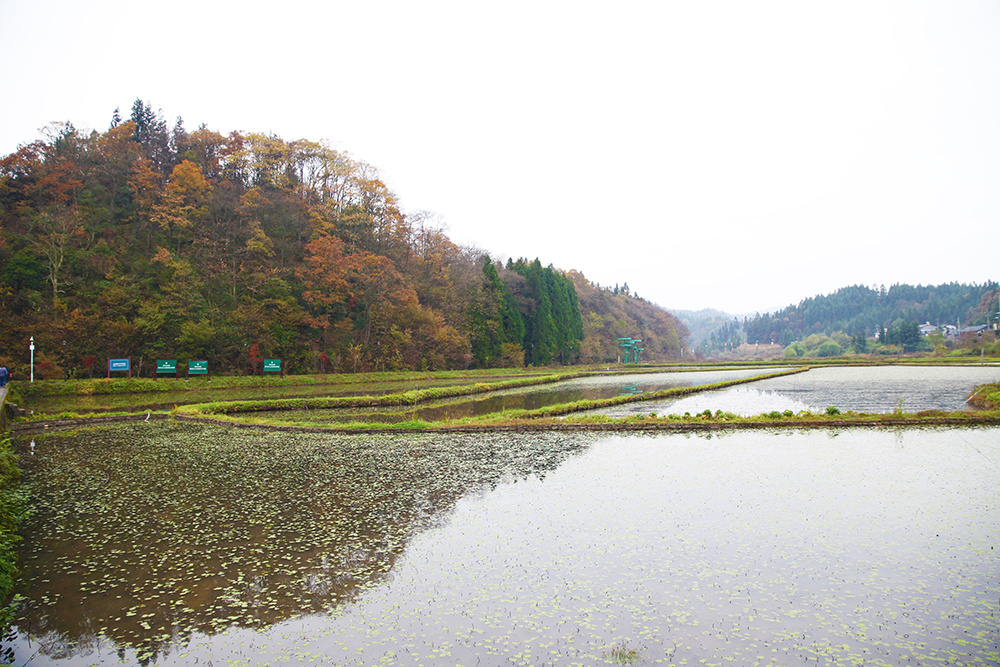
[(525, 398), (168, 544), (876, 389)]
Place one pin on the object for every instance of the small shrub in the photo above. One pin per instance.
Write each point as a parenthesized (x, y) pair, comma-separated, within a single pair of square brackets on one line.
[(788, 413), (829, 349), (832, 410)]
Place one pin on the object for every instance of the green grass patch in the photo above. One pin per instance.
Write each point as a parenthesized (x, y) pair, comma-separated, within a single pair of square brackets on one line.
[(13, 510), (986, 397)]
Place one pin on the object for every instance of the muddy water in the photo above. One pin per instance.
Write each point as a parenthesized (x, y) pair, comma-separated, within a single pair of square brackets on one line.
[(175, 544)]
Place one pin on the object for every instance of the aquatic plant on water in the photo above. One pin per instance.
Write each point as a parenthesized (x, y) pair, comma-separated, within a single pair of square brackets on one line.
[(622, 654)]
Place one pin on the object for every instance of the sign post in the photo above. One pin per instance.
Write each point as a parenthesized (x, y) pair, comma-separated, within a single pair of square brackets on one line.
[(631, 349), (120, 365), (198, 368), (166, 366)]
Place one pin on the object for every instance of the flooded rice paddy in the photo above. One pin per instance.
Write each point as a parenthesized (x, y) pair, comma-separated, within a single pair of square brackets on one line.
[(200, 390), (526, 398), (877, 389), (176, 544)]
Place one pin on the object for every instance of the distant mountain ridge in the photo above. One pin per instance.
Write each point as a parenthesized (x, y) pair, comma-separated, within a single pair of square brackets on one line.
[(861, 309), (851, 310)]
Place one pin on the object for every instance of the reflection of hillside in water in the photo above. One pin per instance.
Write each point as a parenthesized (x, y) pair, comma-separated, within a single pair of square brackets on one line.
[(146, 534)]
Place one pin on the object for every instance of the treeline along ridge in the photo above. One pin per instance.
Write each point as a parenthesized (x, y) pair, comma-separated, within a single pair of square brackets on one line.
[(151, 242)]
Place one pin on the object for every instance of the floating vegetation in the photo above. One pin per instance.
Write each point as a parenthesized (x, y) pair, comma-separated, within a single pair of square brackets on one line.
[(161, 530), (622, 654), (166, 543)]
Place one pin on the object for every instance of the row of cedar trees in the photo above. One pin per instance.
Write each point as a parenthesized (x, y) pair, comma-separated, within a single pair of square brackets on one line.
[(154, 243)]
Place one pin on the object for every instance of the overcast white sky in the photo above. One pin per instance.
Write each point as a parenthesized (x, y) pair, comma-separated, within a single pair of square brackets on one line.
[(733, 155)]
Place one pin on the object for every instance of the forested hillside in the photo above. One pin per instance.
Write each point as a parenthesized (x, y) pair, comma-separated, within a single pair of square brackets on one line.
[(864, 310), (612, 314), (152, 242)]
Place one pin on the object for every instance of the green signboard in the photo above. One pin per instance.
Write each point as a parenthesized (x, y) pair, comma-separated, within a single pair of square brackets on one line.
[(197, 368), (166, 365), (272, 365)]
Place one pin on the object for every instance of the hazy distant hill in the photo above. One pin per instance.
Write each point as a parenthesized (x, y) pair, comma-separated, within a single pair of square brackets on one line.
[(701, 323), (851, 310)]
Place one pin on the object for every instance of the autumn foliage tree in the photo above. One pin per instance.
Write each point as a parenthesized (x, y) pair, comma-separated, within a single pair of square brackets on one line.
[(149, 242)]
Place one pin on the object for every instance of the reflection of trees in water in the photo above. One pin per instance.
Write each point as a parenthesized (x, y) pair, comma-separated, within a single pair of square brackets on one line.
[(146, 534)]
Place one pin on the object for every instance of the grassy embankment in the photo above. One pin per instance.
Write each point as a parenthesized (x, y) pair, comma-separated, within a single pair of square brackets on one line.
[(13, 510), (560, 416), (122, 385), (235, 411), (369, 388), (501, 379), (986, 397), (555, 416)]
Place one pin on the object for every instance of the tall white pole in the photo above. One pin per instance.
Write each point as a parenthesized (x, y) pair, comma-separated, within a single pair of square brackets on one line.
[(31, 347)]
